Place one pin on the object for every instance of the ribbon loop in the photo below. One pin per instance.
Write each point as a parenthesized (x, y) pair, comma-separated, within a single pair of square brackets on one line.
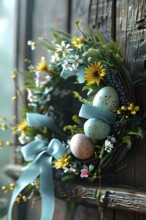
[(56, 149), (31, 150)]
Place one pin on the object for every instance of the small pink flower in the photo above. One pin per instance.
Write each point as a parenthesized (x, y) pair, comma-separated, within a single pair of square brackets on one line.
[(84, 173)]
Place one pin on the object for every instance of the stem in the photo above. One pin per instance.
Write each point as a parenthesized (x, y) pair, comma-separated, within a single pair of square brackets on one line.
[(81, 31)]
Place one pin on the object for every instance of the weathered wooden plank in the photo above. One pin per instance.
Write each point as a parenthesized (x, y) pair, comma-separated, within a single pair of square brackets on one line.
[(104, 17), (129, 199), (131, 32), (48, 16)]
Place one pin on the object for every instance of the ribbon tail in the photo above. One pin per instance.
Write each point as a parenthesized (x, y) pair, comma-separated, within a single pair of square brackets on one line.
[(27, 177), (46, 188), (38, 120)]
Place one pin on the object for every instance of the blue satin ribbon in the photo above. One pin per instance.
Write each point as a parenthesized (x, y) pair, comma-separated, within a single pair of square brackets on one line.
[(41, 153), (38, 120), (88, 111), (66, 73)]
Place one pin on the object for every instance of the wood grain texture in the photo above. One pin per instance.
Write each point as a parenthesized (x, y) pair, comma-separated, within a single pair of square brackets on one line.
[(124, 21), (46, 17), (127, 199), (80, 10), (131, 32)]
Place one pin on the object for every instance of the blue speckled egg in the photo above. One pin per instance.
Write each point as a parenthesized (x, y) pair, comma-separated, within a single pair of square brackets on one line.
[(107, 99), (96, 129), (81, 146)]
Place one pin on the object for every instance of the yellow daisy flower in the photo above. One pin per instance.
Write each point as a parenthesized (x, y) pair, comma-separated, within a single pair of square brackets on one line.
[(77, 42), (133, 109), (95, 73), (22, 127), (123, 108), (42, 66), (62, 162)]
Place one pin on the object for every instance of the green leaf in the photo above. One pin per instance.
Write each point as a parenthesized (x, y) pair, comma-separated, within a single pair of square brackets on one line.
[(78, 96), (99, 36), (47, 46), (127, 140), (76, 119), (64, 34), (138, 132)]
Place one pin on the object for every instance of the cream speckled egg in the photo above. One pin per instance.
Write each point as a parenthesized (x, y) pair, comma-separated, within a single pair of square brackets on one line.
[(107, 99), (96, 129), (81, 146)]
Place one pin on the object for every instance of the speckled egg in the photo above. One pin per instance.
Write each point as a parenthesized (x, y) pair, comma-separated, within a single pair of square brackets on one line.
[(96, 129), (81, 146), (107, 99)]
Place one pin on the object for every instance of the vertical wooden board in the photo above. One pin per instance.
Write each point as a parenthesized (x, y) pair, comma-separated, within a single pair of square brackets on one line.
[(121, 23), (140, 145), (140, 164), (80, 10), (93, 13), (125, 171), (140, 217), (132, 38), (86, 213), (108, 214), (47, 16), (101, 17), (105, 17), (131, 32), (122, 215)]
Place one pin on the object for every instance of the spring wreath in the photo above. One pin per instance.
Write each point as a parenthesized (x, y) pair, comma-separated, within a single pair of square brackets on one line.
[(81, 116)]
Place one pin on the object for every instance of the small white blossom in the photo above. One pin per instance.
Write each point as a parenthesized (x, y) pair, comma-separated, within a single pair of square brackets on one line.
[(108, 146), (29, 96), (55, 57), (38, 137), (72, 62), (66, 65), (67, 170), (41, 78), (32, 44), (113, 139), (64, 48), (76, 62), (23, 138)]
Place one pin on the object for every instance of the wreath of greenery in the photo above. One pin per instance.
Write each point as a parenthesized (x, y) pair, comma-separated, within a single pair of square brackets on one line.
[(96, 133)]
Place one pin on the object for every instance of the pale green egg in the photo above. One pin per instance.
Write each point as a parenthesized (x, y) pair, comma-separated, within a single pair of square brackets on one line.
[(96, 129), (107, 99)]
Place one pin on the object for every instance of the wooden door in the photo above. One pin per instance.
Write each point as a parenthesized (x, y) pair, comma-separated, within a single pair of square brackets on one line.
[(125, 22)]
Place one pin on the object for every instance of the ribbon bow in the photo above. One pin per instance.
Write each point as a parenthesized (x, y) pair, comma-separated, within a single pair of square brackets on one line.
[(41, 152), (88, 111)]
